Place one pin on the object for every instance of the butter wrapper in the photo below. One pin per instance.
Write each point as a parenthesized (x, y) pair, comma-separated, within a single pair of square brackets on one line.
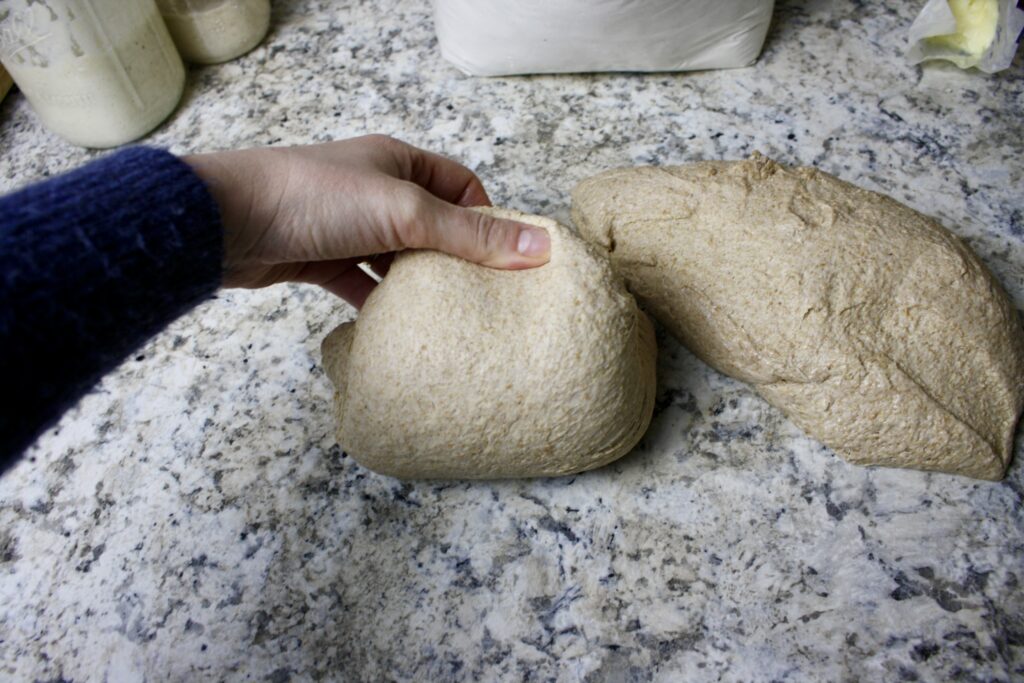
[(970, 33)]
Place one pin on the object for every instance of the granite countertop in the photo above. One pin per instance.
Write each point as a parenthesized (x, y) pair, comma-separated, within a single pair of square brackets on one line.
[(194, 519)]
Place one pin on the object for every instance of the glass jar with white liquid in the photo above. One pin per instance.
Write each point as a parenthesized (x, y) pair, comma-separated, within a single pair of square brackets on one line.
[(98, 72), (214, 31)]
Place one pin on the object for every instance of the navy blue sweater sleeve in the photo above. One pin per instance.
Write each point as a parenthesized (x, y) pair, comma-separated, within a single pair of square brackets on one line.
[(92, 263)]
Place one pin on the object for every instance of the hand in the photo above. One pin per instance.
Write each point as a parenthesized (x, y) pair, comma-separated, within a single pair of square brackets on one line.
[(312, 214)]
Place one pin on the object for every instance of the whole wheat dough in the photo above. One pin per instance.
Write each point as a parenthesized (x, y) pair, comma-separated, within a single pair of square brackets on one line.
[(455, 370), (872, 327)]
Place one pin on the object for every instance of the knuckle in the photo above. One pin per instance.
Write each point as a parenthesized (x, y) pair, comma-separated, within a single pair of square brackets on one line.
[(385, 142), (409, 213), (379, 138), (488, 237), (391, 154)]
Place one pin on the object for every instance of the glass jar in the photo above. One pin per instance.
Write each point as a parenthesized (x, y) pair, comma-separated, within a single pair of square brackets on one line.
[(97, 72), (214, 31)]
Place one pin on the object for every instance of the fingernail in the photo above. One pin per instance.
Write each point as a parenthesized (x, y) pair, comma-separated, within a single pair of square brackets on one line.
[(533, 242)]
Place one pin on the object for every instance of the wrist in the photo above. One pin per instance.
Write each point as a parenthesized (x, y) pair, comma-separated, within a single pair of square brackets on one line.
[(220, 183), (225, 179)]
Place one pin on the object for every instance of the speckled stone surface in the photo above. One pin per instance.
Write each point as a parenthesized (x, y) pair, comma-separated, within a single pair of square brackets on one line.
[(193, 519)]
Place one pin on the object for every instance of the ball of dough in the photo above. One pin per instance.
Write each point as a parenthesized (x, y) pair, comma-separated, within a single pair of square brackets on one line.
[(872, 327), (455, 370)]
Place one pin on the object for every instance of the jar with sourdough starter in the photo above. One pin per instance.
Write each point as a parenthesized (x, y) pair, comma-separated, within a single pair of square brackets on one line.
[(213, 31), (97, 72)]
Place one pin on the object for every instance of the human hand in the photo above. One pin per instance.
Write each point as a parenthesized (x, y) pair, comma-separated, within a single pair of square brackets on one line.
[(312, 214)]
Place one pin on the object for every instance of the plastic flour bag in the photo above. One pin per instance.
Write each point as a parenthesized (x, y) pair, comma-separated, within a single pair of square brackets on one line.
[(499, 37)]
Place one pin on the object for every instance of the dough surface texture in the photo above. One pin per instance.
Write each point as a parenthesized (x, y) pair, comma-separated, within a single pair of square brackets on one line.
[(871, 326), (454, 370)]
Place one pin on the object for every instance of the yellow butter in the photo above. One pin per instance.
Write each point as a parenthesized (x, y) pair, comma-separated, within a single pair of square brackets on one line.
[(976, 22)]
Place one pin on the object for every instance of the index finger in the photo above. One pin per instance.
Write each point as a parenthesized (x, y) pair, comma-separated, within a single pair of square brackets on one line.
[(446, 179)]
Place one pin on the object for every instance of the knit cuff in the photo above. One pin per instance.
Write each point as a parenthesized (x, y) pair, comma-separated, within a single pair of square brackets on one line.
[(92, 263)]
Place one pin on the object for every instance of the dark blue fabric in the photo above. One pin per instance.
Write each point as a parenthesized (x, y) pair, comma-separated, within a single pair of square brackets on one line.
[(92, 263)]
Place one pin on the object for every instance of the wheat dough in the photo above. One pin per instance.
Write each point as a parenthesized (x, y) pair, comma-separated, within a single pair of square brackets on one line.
[(454, 370), (872, 327)]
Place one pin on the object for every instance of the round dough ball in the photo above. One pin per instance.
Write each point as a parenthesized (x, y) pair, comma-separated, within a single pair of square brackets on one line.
[(870, 325), (455, 370)]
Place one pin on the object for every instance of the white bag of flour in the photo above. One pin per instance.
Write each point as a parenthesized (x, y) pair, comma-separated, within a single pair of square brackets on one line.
[(500, 37)]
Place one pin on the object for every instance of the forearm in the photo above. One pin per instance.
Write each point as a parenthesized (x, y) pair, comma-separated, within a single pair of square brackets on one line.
[(92, 264)]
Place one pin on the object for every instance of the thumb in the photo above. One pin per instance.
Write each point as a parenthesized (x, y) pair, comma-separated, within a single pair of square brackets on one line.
[(483, 239)]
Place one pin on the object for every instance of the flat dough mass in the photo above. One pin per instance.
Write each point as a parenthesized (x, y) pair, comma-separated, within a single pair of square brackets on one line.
[(871, 326), (455, 370)]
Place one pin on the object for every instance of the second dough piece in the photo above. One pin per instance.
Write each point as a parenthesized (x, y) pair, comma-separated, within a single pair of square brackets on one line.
[(870, 325)]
